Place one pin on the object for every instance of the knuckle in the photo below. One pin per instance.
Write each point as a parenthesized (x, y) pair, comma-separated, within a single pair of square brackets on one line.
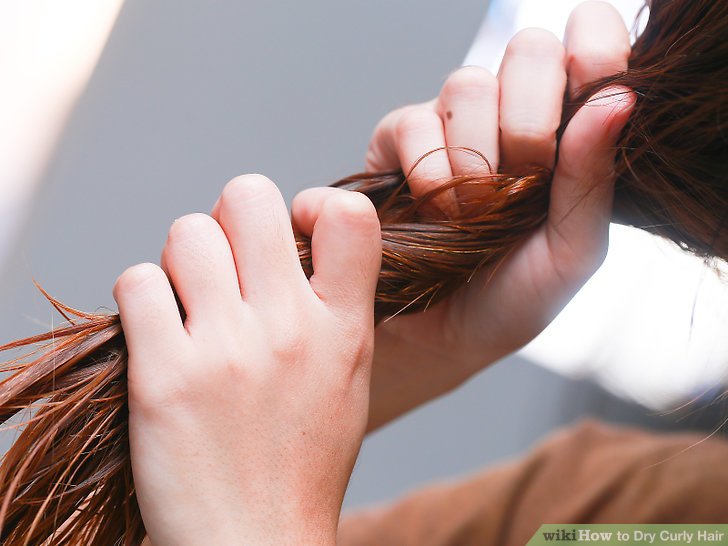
[(190, 226), (311, 194), (228, 366), (385, 125), (189, 240), (469, 81), (353, 208), (289, 344), (246, 188), (159, 391), (138, 278), (226, 345), (251, 180), (535, 42), (417, 120), (219, 369), (356, 217), (151, 398), (606, 47), (527, 132), (359, 345), (373, 158), (390, 119)]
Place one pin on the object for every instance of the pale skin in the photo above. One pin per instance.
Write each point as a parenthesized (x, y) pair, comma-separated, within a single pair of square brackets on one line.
[(246, 418), (261, 394), (511, 118)]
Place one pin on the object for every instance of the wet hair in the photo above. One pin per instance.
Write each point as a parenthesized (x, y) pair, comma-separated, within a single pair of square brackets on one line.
[(67, 478)]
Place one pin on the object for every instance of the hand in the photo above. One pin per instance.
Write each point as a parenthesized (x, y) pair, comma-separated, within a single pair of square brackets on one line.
[(512, 120), (245, 419)]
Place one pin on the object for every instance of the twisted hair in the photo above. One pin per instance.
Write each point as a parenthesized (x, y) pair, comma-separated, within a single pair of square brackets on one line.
[(67, 478)]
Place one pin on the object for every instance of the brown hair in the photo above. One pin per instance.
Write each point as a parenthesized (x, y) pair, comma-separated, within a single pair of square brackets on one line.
[(67, 478)]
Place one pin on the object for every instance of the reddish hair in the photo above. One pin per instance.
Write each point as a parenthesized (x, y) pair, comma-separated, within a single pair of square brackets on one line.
[(67, 478)]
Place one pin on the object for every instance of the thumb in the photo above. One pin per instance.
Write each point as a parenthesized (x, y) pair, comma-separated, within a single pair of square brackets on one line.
[(577, 228), (346, 246)]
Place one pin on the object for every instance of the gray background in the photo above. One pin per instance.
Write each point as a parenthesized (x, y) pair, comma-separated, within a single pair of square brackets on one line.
[(188, 95)]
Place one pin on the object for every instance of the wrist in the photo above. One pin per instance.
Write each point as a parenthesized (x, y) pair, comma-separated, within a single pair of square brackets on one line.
[(406, 374), (304, 535), (260, 522), (396, 394)]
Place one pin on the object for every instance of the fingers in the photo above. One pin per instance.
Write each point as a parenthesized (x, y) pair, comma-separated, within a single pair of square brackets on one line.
[(382, 152), (306, 207), (384, 149), (583, 183), (198, 260), (417, 131), (465, 115), (148, 310), (597, 43), (346, 245), (532, 81), (254, 217), (468, 106)]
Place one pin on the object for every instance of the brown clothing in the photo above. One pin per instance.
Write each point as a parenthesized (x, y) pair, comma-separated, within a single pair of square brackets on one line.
[(591, 473)]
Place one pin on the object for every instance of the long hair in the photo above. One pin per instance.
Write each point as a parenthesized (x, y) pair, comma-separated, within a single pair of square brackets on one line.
[(67, 478)]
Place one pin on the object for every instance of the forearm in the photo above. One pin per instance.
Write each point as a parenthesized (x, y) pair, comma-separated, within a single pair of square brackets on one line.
[(407, 374)]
